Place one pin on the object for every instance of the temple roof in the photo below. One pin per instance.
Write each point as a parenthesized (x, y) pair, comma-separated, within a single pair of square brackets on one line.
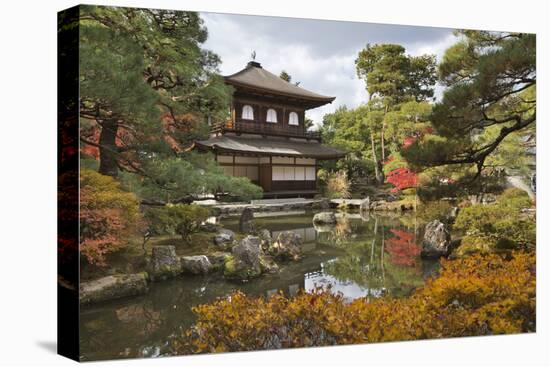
[(256, 77), (271, 146)]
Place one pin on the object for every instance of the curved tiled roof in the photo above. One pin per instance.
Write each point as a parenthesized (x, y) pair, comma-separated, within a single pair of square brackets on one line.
[(256, 77), (272, 146)]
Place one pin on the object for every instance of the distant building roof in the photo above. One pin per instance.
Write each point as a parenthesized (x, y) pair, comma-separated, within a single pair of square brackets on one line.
[(256, 77), (271, 146)]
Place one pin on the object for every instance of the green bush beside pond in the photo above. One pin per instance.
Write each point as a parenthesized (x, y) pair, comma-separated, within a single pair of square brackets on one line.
[(498, 226)]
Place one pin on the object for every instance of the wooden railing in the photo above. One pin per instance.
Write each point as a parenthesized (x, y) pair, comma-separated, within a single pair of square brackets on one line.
[(264, 128)]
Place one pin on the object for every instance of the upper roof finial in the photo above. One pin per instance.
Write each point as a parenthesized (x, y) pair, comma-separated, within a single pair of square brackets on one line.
[(253, 55)]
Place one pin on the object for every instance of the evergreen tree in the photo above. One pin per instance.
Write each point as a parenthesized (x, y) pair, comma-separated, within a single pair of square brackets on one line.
[(137, 65), (392, 78), (490, 96)]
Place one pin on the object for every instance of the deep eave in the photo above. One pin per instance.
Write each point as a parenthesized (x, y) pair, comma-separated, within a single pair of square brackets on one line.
[(269, 147)]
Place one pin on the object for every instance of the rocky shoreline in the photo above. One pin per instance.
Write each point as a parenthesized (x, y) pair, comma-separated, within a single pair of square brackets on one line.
[(243, 260)]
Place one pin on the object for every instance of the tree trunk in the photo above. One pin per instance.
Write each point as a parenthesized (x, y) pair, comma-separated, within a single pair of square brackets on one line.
[(382, 143), (379, 177), (108, 149), (383, 148)]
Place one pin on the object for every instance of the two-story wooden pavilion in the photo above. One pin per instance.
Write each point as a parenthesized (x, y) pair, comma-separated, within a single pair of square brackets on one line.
[(266, 139)]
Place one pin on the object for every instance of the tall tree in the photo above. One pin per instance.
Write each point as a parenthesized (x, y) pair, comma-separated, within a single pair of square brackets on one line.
[(490, 79), (392, 78), (139, 64), (395, 77)]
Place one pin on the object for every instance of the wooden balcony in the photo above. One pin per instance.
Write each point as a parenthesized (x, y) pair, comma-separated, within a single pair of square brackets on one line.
[(264, 128)]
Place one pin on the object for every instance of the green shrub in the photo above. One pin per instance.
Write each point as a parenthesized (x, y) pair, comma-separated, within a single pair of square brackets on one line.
[(500, 225), (176, 219)]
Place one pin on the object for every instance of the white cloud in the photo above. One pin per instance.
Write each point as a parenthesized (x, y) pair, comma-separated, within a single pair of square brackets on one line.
[(320, 67)]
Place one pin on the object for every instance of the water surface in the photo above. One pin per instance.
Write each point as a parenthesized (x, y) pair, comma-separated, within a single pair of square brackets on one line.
[(362, 256)]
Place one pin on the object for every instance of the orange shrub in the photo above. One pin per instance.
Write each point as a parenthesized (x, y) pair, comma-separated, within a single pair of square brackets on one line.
[(479, 295), (107, 215)]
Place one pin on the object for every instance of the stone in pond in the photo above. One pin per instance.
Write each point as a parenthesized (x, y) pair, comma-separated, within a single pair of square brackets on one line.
[(199, 264), (113, 287), (324, 218), (245, 260), (287, 246), (436, 240), (246, 222), (164, 263)]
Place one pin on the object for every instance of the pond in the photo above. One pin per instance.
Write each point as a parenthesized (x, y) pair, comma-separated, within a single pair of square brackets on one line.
[(362, 256)]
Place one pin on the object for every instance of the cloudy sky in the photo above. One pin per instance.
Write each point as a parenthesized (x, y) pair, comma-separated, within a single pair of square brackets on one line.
[(318, 53)]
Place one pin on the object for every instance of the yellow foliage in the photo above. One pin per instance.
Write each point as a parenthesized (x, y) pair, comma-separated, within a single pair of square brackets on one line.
[(478, 295)]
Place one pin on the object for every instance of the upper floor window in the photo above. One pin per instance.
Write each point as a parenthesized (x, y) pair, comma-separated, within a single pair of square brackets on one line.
[(293, 119), (271, 115), (248, 113)]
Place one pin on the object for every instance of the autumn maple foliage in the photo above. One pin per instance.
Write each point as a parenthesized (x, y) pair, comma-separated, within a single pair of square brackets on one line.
[(402, 178), (107, 215), (402, 248)]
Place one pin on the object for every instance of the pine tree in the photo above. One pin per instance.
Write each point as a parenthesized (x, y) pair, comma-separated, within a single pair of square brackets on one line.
[(490, 95), (137, 65), (392, 78)]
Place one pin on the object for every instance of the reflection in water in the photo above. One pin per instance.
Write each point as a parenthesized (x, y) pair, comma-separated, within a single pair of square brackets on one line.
[(361, 256)]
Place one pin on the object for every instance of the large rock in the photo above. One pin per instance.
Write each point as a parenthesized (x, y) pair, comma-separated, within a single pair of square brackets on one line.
[(245, 260), (287, 246), (436, 240), (164, 263), (224, 239), (113, 287), (199, 264), (324, 218), (246, 222)]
